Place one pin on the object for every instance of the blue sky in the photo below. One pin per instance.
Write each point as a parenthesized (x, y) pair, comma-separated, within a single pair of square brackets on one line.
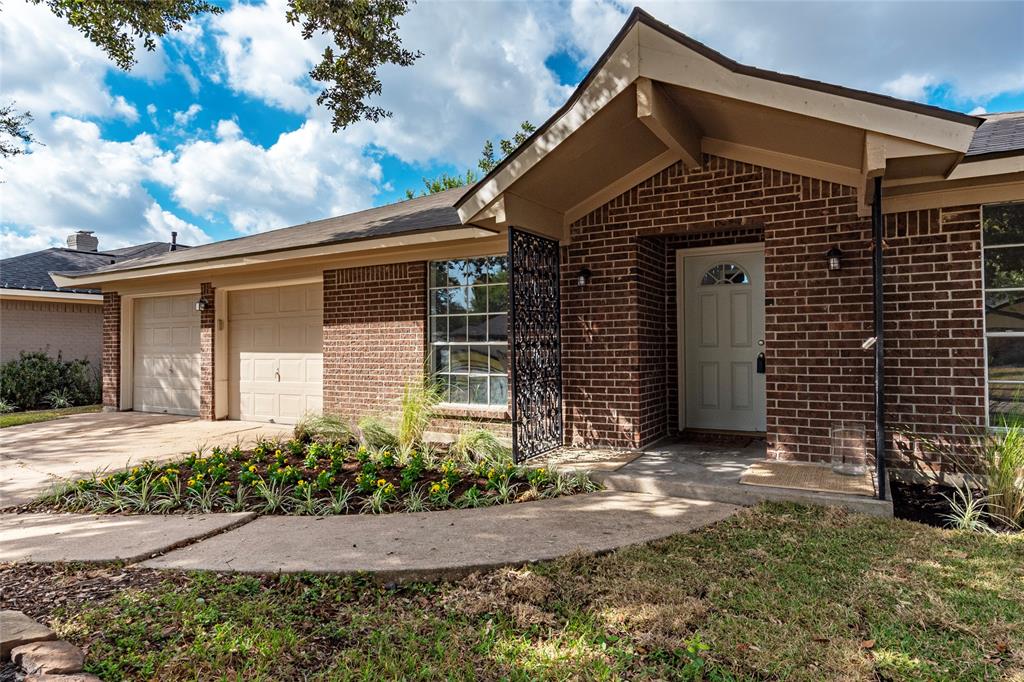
[(217, 134)]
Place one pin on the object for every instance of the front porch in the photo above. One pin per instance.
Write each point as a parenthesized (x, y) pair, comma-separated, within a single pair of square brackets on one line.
[(710, 471)]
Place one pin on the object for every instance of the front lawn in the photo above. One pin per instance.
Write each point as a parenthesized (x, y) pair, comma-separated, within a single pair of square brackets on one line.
[(34, 416), (776, 592)]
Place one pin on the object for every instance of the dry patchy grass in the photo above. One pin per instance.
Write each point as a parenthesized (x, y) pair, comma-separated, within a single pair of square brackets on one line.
[(777, 592)]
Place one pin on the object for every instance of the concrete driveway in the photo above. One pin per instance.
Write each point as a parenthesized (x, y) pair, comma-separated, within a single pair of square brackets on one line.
[(35, 456)]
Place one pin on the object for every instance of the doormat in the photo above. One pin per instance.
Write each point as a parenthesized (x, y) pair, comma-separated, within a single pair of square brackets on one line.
[(800, 476), (725, 440)]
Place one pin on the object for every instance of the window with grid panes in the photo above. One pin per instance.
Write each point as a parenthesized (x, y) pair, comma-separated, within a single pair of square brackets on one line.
[(1003, 242), (468, 330)]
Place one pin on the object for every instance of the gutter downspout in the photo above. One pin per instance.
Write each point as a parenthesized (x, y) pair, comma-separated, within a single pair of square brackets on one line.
[(878, 234)]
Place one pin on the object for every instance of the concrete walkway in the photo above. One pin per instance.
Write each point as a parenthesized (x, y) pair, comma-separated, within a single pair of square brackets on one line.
[(44, 538), (427, 545), (35, 456)]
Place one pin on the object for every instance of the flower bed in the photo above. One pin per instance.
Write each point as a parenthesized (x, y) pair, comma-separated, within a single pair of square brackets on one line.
[(314, 478)]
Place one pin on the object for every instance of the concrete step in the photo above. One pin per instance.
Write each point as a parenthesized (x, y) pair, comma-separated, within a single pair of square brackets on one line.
[(736, 493)]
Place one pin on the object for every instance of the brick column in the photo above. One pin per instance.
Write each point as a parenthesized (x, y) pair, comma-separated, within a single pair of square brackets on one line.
[(111, 361), (207, 322)]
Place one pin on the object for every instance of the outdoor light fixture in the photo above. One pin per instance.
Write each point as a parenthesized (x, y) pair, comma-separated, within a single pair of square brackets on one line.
[(584, 276), (202, 304), (834, 258)]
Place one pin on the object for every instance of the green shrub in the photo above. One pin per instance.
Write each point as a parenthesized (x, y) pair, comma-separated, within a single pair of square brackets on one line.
[(32, 377)]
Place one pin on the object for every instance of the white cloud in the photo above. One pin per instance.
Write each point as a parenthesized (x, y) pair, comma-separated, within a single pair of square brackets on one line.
[(977, 111), (306, 174), (909, 86), (183, 118), (161, 223), (264, 56), (79, 181)]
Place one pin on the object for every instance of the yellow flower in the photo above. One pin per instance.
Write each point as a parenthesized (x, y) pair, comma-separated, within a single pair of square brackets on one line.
[(381, 483), (435, 488), (301, 483), (252, 468), (277, 453)]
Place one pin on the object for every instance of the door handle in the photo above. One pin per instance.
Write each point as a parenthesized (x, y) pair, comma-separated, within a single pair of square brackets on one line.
[(760, 363), (277, 374)]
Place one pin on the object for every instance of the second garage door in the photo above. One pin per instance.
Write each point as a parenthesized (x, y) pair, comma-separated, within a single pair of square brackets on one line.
[(275, 341)]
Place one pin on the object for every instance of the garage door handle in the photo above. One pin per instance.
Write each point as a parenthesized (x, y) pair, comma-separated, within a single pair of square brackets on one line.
[(277, 374)]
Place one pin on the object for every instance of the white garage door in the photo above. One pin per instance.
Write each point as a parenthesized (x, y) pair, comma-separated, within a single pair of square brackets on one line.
[(166, 359), (275, 353)]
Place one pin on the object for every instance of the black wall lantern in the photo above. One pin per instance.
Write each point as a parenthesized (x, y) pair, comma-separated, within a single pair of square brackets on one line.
[(834, 258), (202, 304), (583, 277)]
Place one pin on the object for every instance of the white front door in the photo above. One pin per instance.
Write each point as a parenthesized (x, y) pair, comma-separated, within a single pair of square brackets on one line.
[(723, 335), (275, 340)]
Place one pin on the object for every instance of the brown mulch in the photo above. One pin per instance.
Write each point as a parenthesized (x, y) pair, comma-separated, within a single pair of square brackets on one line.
[(39, 589)]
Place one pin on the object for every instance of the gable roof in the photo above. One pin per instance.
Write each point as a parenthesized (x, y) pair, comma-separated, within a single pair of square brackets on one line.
[(31, 271), (421, 214), (1000, 134), (639, 16)]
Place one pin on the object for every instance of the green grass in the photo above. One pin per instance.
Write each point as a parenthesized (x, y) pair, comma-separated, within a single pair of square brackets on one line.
[(34, 416), (776, 592)]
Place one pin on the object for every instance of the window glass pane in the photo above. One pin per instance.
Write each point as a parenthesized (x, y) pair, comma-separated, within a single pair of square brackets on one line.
[(439, 302), (497, 328), (1006, 404), (457, 328), (456, 300), (1005, 358), (439, 329), (438, 275), (459, 392), (499, 359), (480, 360), (478, 390), (441, 355), (1004, 311), (476, 299), (1004, 267), (1004, 224), (497, 298), (476, 271), (477, 328), (499, 390), (459, 360)]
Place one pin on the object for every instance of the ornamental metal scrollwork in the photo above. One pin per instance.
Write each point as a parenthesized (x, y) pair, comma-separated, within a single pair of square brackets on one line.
[(535, 344)]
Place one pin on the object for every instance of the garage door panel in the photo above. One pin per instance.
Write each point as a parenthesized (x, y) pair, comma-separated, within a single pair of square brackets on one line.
[(276, 352), (166, 360)]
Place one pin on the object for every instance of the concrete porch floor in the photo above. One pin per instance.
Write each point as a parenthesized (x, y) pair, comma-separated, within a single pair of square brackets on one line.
[(704, 471)]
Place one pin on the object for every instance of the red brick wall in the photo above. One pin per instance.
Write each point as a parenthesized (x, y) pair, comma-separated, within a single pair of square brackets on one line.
[(816, 320), (374, 338), (207, 321), (375, 342), (111, 350)]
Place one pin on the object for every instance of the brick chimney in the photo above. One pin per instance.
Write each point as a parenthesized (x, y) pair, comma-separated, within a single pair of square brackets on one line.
[(83, 241)]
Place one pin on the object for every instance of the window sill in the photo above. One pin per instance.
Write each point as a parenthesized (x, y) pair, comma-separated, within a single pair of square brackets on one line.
[(473, 411)]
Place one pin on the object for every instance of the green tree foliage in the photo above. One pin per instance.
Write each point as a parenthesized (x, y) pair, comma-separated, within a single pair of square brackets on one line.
[(489, 158), (363, 35), (14, 133)]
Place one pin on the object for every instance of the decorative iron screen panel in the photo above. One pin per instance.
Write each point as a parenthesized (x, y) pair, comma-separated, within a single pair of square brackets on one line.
[(534, 344)]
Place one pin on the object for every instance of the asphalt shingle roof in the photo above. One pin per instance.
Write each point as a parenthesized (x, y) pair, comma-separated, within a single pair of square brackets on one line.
[(32, 270), (431, 212), (999, 134)]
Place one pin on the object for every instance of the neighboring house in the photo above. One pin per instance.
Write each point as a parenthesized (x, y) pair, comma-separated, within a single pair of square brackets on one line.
[(37, 315), (687, 244)]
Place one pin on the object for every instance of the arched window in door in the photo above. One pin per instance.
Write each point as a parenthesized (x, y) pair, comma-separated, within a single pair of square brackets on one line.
[(725, 273)]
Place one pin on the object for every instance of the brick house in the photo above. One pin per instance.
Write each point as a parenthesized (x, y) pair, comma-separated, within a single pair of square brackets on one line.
[(689, 244), (38, 315)]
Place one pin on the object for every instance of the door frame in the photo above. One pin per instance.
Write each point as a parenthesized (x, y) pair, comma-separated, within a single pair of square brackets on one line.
[(681, 255)]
